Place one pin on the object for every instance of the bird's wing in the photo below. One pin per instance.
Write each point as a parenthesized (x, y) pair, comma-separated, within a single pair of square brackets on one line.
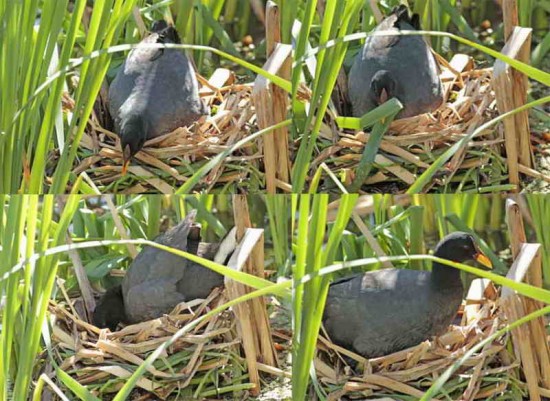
[(398, 20), (379, 302), (151, 299), (198, 281), (173, 93), (378, 43), (138, 62)]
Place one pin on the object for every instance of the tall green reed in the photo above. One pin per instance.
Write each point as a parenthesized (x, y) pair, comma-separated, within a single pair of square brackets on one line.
[(539, 207), (313, 251), (30, 227), (32, 121)]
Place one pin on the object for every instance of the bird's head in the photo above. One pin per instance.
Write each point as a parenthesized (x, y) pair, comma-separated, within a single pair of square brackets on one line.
[(461, 247), (382, 86), (133, 134)]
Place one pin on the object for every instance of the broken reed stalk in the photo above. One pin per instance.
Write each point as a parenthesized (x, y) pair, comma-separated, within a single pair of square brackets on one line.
[(510, 17), (271, 102), (82, 279), (533, 333), (255, 265), (514, 309), (511, 92), (251, 316), (244, 315)]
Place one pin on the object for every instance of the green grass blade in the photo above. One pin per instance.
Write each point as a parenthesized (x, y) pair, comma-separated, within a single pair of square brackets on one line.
[(79, 390)]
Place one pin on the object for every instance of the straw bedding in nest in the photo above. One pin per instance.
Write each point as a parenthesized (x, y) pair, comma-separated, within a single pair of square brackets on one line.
[(407, 149), (207, 362), (409, 373)]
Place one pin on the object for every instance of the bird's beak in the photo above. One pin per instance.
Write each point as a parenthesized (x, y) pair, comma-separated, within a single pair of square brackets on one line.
[(384, 96), (483, 260), (126, 156), (125, 167)]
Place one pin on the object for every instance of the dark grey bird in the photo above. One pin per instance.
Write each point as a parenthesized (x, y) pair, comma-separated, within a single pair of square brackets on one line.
[(154, 92), (384, 311), (395, 66), (157, 280)]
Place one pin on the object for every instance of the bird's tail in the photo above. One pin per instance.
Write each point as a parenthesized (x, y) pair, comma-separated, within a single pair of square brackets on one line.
[(402, 13)]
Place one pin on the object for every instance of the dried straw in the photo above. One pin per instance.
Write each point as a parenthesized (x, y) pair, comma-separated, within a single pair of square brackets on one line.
[(206, 361), (408, 149)]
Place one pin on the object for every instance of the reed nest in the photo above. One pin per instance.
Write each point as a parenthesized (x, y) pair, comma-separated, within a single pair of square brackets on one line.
[(493, 371), (166, 162), (411, 145), (205, 363), (407, 149)]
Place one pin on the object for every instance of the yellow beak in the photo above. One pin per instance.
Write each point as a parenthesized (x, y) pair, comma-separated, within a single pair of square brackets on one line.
[(483, 260), (125, 167), (126, 157)]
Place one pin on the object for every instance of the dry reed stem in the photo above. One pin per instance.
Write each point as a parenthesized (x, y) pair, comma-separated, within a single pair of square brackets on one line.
[(255, 266), (252, 319), (511, 92), (531, 272)]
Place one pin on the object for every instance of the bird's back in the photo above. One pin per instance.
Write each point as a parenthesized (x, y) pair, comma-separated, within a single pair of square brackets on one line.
[(160, 86), (155, 264), (387, 310)]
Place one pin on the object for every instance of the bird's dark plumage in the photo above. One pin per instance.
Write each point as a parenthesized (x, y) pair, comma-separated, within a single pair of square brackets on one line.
[(410, 71), (384, 311), (109, 311), (158, 280), (154, 92)]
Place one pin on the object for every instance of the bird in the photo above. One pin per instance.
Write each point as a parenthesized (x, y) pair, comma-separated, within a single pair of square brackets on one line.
[(154, 92), (395, 66), (384, 311), (158, 280)]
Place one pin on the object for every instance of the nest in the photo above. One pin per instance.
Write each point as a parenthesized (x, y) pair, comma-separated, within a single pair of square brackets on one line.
[(408, 148), (206, 362), (412, 144), (492, 371), (166, 162)]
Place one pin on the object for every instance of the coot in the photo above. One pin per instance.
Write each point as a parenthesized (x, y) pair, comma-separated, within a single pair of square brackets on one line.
[(395, 66), (384, 311), (157, 280), (154, 92)]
